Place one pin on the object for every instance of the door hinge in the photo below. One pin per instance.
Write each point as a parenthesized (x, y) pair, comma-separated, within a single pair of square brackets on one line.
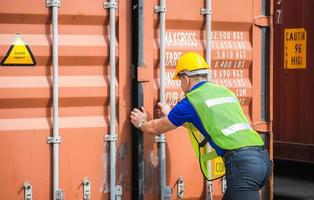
[(262, 126), (262, 21), (143, 74)]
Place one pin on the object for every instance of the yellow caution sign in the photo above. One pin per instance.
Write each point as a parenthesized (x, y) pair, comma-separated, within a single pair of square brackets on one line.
[(19, 54), (295, 48)]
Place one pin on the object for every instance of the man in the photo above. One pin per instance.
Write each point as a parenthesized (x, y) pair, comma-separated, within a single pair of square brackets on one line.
[(216, 113)]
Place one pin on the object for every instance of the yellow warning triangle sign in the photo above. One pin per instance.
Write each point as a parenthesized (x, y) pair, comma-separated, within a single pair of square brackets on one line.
[(19, 54)]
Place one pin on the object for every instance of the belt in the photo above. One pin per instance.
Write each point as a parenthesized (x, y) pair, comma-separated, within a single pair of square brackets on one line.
[(231, 152)]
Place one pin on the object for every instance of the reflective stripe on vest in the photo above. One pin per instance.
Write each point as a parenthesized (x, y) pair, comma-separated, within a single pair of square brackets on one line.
[(220, 100), (222, 117), (235, 128)]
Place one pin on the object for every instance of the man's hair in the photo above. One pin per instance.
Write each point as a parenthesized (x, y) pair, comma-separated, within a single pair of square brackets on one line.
[(198, 77)]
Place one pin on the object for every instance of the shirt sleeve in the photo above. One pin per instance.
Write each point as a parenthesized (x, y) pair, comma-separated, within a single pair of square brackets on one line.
[(181, 113)]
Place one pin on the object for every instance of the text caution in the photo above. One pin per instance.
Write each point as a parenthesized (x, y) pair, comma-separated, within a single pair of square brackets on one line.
[(295, 48)]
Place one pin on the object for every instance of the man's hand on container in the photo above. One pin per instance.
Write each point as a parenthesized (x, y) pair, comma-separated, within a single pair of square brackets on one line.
[(154, 126), (138, 117), (163, 110)]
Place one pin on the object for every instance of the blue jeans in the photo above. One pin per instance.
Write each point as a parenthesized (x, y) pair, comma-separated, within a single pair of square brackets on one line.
[(247, 171)]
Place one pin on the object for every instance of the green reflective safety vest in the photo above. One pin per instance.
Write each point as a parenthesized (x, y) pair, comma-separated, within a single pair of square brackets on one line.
[(222, 117), (212, 165)]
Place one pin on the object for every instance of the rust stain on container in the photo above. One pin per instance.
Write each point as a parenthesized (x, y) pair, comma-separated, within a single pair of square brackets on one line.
[(293, 99)]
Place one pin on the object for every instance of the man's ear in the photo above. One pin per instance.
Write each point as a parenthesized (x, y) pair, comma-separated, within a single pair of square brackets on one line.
[(187, 79)]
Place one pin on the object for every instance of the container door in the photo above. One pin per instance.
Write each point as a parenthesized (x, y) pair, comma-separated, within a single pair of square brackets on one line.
[(26, 98), (293, 75), (236, 63)]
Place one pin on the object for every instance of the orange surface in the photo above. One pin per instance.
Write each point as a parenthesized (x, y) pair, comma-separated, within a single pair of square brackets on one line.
[(26, 92), (26, 97)]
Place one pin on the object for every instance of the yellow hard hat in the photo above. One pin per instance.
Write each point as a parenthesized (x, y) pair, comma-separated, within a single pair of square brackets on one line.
[(190, 62)]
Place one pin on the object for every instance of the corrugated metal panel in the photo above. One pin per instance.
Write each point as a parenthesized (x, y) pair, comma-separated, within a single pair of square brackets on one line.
[(26, 92), (26, 97), (293, 99), (236, 63)]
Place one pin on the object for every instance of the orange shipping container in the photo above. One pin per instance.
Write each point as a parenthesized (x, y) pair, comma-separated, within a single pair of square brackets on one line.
[(293, 72), (26, 91)]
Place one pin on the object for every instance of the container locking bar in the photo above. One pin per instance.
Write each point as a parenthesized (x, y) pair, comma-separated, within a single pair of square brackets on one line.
[(55, 140), (112, 137), (53, 3), (207, 12), (28, 193), (86, 189), (164, 189)]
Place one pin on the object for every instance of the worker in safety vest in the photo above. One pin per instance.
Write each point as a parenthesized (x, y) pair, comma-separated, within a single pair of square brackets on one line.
[(215, 113)]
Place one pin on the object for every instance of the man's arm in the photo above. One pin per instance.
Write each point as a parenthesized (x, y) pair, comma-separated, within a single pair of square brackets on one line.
[(155, 126)]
